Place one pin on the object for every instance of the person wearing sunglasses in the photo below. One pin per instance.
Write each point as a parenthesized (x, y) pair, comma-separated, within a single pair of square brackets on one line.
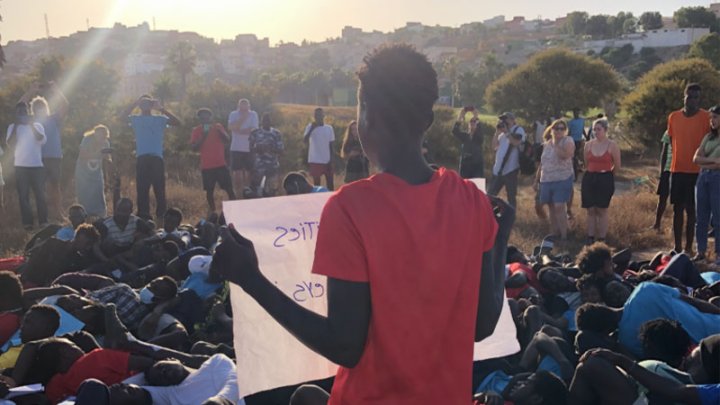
[(555, 176)]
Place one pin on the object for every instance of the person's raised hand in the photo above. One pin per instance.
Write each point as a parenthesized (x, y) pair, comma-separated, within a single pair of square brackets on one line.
[(235, 258)]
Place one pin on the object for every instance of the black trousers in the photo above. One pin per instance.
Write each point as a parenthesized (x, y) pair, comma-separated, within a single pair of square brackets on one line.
[(27, 179), (150, 172)]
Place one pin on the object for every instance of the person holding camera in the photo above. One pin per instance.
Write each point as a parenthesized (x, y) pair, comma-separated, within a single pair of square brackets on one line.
[(210, 140), (52, 154), (28, 138), (89, 175), (507, 161), (149, 136), (471, 155)]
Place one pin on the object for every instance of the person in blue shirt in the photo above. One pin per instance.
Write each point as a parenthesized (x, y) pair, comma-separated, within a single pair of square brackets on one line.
[(149, 136), (77, 216), (576, 130), (297, 183)]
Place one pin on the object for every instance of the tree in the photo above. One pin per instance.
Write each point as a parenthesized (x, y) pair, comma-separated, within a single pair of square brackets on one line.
[(552, 82), (687, 17), (163, 88), (622, 23), (598, 27), (575, 23), (472, 85), (182, 59), (708, 48), (651, 20), (660, 91)]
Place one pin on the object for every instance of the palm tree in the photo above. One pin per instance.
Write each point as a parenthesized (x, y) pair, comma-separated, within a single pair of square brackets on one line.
[(163, 89), (182, 59)]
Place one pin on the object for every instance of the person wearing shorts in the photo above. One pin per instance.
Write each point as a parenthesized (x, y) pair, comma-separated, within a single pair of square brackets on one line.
[(320, 138), (686, 129), (555, 176), (210, 140), (602, 157), (241, 123)]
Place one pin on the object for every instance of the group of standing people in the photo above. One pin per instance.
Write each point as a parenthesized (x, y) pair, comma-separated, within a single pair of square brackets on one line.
[(253, 146), (560, 150), (690, 175)]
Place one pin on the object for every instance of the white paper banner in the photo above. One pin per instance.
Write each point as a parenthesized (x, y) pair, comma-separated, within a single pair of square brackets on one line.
[(284, 231)]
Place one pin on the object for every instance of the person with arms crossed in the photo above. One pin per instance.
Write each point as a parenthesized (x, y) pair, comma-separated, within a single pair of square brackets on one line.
[(379, 327), (241, 123)]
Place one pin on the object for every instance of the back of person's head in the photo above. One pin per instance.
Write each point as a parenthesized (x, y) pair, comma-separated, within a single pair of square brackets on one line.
[(21, 108), (514, 255), (88, 231), (550, 387), (39, 322), (692, 87), (671, 281), (398, 87), (665, 340), (594, 258), (616, 293), (164, 287), (39, 106), (296, 183), (591, 288), (54, 355), (172, 250), (11, 291), (596, 318)]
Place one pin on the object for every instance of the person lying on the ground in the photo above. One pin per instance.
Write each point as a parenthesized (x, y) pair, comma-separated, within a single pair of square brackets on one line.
[(597, 378), (296, 183), (538, 388), (169, 382), (133, 306), (56, 257), (11, 304), (163, 329), (650, 301), (39, 322)]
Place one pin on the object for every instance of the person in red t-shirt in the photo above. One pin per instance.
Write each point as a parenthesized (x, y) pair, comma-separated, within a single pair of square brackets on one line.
[(211, 140), (415, 258), (686, 129)]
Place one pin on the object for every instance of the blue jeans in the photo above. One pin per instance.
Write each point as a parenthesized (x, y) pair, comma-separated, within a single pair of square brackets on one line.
[(707, 202), (31, 179)]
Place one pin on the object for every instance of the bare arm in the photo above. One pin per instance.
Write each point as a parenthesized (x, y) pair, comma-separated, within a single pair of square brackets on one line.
[(700, 305), (173, 121), (666, 388), (492, 280), (663, 156), (61, 103), (340, 337), (615, 153), (566, 150)]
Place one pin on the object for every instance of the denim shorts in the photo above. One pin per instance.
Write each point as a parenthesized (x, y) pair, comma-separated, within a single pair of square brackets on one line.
[(556, 192)]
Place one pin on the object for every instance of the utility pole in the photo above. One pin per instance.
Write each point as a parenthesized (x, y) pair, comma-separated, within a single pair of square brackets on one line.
[(47, 27), (87, 23), (154, 24)]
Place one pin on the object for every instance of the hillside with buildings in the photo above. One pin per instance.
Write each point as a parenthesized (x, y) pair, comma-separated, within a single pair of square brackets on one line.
[(139, 54)]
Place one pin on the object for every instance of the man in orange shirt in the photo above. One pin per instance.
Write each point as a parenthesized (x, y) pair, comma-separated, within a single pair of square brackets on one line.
[(686, 128)]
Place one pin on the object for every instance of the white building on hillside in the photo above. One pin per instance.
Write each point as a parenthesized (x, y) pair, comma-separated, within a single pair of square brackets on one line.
[(662, 38)]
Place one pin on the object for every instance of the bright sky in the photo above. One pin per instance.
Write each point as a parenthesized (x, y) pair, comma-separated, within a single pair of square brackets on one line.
[(288, 20)]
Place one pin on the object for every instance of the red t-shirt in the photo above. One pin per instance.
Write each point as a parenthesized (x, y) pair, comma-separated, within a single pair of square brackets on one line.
[(532, 280), (212, 151), (686, 134), (420, 248), (108, 366), (9, 323)]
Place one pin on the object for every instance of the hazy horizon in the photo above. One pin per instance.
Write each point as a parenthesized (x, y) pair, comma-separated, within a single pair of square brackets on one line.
[(284, 20)]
